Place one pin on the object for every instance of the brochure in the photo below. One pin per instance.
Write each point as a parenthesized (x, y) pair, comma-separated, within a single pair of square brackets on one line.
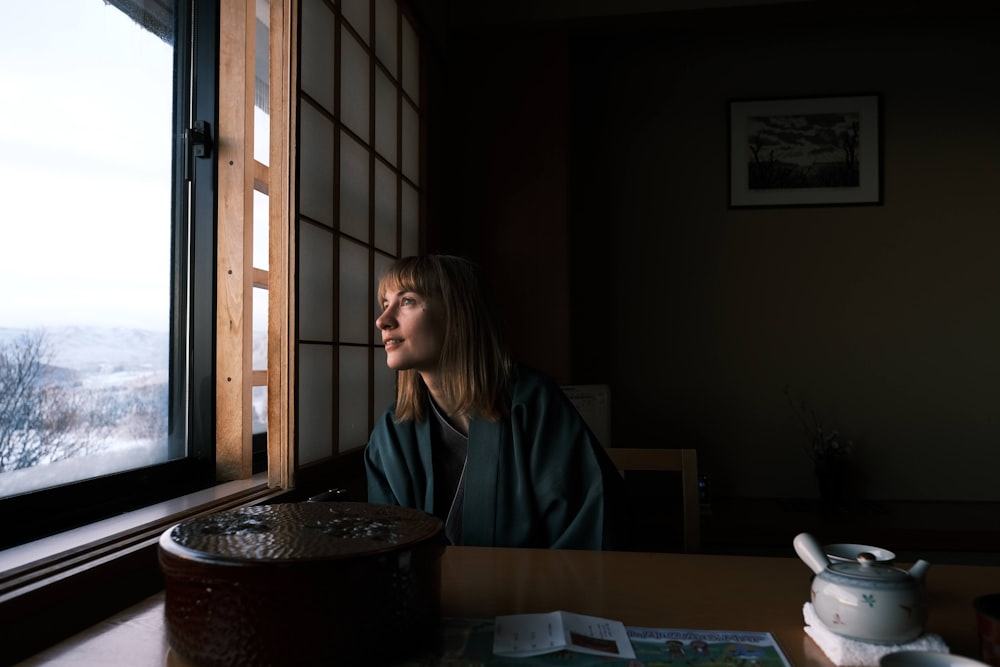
[(660, 646), (469, 641), (525, 635)]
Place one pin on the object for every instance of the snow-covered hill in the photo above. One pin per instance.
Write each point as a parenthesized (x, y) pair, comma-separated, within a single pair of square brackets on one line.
[(100, 349)]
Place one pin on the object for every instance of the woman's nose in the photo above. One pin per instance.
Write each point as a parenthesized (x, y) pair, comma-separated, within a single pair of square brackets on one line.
[(384, 321)]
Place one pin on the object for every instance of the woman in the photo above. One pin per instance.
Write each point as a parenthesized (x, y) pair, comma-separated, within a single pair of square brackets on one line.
[(492, 448)]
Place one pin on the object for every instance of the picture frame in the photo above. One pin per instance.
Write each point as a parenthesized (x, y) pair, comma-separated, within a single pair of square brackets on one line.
[(807, 151)]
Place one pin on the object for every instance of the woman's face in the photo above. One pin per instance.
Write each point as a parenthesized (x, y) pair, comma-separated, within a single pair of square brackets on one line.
[(411, 331)]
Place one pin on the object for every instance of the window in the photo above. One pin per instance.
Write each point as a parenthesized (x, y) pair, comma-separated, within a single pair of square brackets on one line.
[(107, 324), (327, 166), (359, 187), (261, 231), (227, 277)]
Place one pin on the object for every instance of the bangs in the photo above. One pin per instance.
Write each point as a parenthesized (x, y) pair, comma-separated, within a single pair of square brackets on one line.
[(408, 274)]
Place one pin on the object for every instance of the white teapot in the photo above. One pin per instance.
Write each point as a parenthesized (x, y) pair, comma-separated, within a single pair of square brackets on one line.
[(865, 600)]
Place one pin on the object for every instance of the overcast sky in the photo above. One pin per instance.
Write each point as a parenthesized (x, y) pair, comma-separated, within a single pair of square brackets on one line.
[(85, 140)]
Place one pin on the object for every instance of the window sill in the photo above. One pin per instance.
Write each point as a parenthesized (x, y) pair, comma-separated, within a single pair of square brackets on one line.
[(55, 586)]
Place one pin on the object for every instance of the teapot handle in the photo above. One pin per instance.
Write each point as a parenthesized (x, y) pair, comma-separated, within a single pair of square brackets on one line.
[(810, 551)]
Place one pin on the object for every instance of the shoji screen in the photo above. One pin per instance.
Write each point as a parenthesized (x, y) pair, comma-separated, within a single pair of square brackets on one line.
[(359, 120)]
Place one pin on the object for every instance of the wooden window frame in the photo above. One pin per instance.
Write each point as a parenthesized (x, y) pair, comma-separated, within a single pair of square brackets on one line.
[(239, 176)]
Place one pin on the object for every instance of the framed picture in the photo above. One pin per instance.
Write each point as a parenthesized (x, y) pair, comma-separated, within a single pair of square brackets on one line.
[(805, 151)]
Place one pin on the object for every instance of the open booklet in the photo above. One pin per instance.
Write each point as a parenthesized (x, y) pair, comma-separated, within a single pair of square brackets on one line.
[(469, 641), (525, 635)]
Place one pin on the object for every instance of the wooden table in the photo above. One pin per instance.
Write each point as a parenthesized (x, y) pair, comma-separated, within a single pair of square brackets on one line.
[(641, 589)]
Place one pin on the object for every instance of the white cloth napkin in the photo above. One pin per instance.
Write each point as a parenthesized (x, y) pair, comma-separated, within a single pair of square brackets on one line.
[(844, 651)]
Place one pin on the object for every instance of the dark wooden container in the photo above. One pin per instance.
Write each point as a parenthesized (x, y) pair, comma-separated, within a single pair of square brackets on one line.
[(312, 583)]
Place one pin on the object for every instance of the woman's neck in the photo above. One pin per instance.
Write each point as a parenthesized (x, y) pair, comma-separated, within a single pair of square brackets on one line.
[(445, 404)]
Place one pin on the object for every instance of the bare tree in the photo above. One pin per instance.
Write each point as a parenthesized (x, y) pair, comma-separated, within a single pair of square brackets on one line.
[(41, 421)]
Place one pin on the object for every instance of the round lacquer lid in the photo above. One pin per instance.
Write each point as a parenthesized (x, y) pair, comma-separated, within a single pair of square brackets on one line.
[(297, 532), (868, 569)]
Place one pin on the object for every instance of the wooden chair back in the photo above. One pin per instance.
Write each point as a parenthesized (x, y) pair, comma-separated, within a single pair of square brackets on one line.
[(684, 461)]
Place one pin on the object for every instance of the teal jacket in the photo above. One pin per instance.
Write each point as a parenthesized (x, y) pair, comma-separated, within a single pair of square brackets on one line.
[(538, 478)]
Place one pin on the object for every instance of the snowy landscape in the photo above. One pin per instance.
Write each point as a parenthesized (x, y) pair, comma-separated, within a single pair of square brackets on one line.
[(121, 375)]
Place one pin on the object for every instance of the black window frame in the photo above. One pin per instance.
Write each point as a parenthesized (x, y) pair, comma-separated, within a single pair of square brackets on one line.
[(193, 307)]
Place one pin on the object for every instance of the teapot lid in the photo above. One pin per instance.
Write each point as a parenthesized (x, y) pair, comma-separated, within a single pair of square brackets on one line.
[(868, 568)]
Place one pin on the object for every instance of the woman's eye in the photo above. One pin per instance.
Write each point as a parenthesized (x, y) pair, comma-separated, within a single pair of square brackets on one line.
[(407, 301)]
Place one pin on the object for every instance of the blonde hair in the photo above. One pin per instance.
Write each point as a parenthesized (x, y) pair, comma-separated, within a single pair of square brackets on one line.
[(475, 367)]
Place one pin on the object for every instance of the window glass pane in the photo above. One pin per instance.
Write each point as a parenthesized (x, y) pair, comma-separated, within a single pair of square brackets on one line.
[(354, 86), (385, 117), (358, 14), (261, 230), (354, 191), (411, 62), (259, 410), (316, 174), (354, 385), (411, 142), (354, 302), (382, 263), (259, 329), (385, 208), (411, 221), (315, 422), (84, 327), (261, 136), (315, 283), (318, 54), (385, 34), (385, 383), (262, 87)]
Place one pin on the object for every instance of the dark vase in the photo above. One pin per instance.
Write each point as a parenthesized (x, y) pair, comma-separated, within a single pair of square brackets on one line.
[(833, 477)]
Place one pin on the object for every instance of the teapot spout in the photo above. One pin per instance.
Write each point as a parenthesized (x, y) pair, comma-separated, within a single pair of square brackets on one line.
[(919, 570), (810, 552)]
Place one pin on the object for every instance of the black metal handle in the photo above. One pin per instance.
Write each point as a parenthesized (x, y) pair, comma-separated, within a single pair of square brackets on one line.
[(199, 139)]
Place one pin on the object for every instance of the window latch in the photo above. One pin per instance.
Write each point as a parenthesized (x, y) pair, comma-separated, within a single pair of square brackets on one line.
[(199, 139)]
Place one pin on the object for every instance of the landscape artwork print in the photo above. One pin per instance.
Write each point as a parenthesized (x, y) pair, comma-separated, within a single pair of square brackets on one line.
[(807, 151)]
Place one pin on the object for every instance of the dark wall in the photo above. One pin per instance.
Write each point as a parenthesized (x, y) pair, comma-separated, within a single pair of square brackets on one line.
[(505, 193), (587, 168)]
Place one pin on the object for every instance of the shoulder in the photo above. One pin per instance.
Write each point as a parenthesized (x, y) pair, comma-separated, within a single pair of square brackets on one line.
[(530, 382), (534, 391), (387, 421), (387, 432)]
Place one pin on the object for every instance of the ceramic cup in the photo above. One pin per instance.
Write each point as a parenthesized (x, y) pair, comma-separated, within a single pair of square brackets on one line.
[(849, 552), (988, 621), (926, 659)]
